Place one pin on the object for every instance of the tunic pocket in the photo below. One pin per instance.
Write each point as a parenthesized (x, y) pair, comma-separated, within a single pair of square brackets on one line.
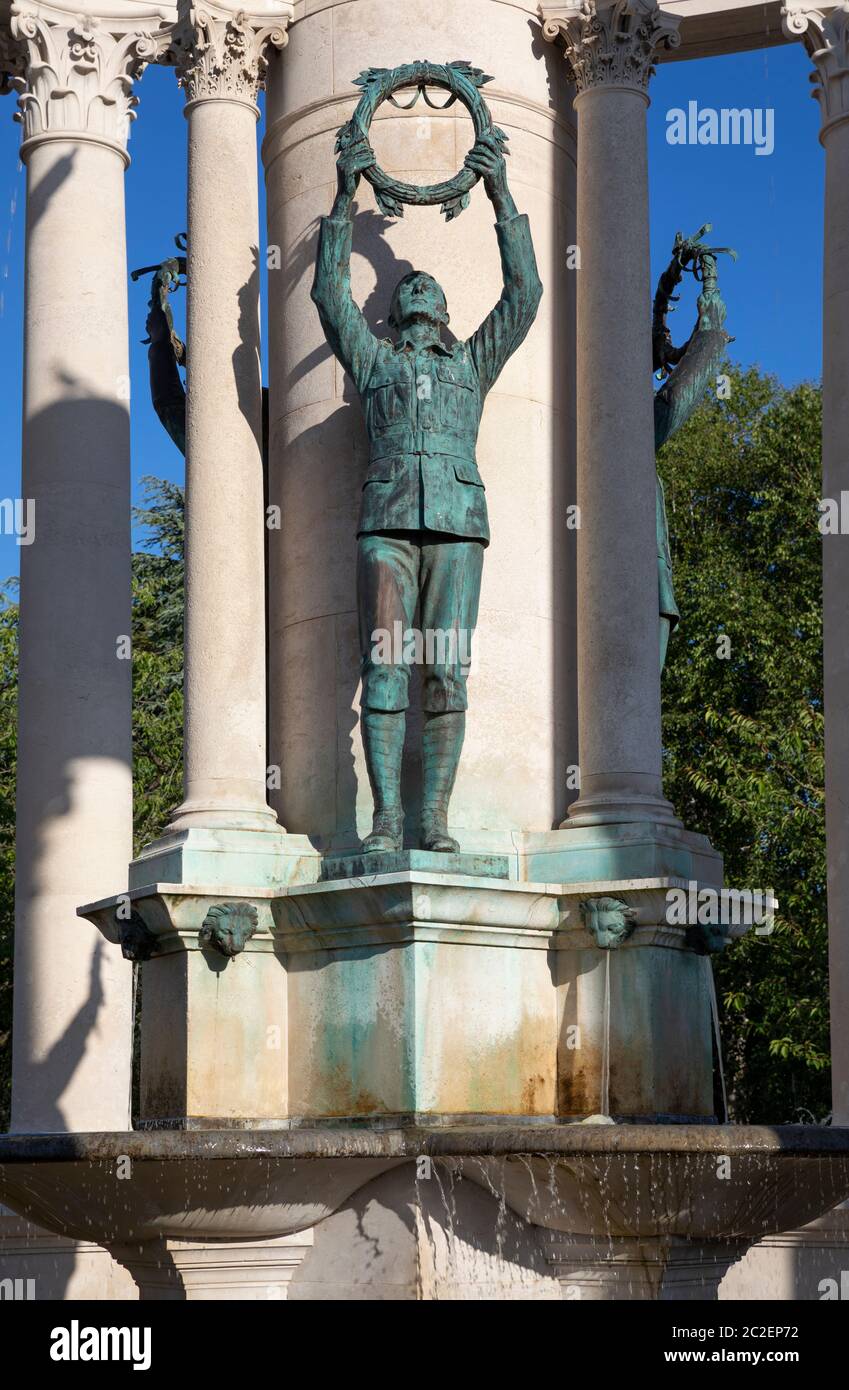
[(380, 471), (456, 401), (387, 405), (467, 472)]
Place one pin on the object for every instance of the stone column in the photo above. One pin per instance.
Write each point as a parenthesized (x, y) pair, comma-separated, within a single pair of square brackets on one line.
[(221, 64), (609, 46), (72, 1024), (827, 41)]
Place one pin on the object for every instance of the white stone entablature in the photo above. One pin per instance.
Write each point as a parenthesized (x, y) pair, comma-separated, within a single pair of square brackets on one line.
[(707, 27), (75, 66)]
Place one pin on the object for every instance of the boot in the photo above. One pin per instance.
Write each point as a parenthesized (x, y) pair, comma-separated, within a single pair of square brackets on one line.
[(442, 741), (383, 742)]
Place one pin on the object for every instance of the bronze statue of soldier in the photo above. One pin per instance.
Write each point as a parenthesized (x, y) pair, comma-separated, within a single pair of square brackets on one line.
[(423, 524)]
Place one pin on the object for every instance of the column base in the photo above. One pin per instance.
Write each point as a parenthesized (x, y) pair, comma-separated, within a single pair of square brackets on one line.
[(665, 1269), (630, 848), (186, 1271), (262, 857), (211, 815)]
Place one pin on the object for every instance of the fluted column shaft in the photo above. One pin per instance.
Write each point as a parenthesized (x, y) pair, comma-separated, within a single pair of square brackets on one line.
[(609, 47), (72, 992), (221, 65), (827, 42)]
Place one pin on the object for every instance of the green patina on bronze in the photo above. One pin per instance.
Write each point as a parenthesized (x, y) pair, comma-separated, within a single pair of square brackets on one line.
[(708, 938), (463, 82), (138, 943), (166, 351), (609, 921), (423, 520), (687, 372), (228, 927)]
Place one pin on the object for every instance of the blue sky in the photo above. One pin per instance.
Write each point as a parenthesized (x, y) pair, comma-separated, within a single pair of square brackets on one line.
[(768, 207)]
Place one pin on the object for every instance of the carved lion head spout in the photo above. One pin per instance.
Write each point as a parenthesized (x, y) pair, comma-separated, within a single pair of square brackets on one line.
[(610, 921), (708, 938), (227, 927), (138, 943)]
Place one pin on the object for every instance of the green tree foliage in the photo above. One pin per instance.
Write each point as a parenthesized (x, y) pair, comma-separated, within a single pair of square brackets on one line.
[(157, 660), (743, 719)]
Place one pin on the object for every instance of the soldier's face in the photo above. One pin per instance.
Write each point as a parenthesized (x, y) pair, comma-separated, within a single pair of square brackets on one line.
[(418, 298)]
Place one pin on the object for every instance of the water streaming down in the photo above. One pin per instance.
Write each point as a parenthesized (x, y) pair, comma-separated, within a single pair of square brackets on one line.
[(714, 1011), (605, 1049), (9, 239)]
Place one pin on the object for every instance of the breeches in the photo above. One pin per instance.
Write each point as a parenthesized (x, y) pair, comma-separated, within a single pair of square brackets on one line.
[(396, 571)]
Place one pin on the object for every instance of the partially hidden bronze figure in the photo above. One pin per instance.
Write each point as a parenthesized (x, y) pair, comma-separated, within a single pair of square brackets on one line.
[(686, 372), (423, 523)]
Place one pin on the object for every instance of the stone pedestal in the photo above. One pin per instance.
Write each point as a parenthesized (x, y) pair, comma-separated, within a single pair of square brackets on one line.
[(213, 1025), (634, 1035), (416, 995), (662, 1269), (221, 857), (238, 1271)]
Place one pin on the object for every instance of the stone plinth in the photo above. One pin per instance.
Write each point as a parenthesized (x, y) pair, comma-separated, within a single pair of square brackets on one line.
[(634, 1036), (632, 848), (219, 856), (412, 995), (213, 1026), (421, 860), (419, 994)]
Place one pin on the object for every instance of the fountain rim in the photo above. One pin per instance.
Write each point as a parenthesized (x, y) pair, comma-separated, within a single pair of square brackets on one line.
[(494, 1140)]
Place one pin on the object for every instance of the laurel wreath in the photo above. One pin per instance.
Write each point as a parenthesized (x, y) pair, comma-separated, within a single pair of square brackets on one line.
[(463, 82)]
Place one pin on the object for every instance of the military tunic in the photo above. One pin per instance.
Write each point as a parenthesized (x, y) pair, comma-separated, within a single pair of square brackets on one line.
[(423, 520)]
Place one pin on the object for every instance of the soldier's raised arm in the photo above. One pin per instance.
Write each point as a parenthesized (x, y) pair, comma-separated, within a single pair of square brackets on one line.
[(342, 320), (506, 326), (165, 354), (694, 366)]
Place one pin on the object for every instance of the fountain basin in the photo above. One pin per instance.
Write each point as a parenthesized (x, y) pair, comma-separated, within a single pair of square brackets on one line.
[(670, 1182)]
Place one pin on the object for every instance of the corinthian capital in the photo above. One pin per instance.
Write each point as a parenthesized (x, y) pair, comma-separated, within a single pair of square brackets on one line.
[(222, 53), (609, 42), (826, 37), (76, 73)]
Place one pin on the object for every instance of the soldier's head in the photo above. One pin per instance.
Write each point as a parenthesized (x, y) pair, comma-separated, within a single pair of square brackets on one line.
[(417, 298)]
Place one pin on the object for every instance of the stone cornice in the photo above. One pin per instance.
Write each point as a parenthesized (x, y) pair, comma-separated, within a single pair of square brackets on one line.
[(611, 43), (826, 37), (221, 54), (77, 72)]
